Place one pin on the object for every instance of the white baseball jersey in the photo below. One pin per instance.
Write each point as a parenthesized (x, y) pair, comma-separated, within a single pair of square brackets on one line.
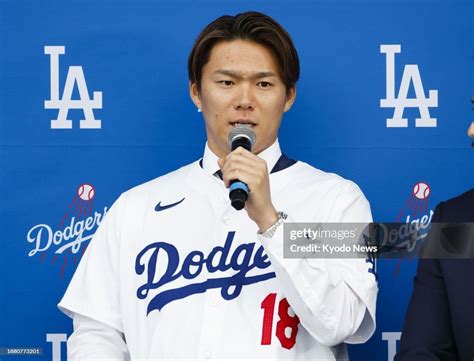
[(174, 272)]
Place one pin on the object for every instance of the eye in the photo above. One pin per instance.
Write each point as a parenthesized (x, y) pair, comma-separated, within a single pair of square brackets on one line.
[(226, 83), (264, 84)]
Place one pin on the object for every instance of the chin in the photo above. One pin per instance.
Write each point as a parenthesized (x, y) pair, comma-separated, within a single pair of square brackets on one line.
[(258, 149)]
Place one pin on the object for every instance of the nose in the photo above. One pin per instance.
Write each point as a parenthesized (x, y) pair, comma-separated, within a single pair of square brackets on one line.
[(245, 98)]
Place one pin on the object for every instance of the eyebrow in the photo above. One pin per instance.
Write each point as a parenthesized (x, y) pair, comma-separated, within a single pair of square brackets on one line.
[(239, 75)]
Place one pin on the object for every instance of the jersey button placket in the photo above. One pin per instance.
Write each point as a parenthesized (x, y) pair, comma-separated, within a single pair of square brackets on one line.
[(225, 198), (215, 327)]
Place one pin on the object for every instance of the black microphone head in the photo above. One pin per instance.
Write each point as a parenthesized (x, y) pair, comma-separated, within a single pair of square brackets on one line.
[(242, 135), (238, 197)]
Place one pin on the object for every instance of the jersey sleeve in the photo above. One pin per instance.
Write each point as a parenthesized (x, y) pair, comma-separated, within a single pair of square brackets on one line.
[(94, 289), (94, 340), (335, 299)]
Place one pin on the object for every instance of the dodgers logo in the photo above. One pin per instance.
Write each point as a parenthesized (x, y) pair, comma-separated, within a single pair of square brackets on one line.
[(70, 236), (74, 76), (411, 74), (219, 259), (417, 216)]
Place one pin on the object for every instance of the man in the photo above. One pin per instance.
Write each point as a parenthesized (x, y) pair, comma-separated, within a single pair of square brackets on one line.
[(439, 323), (174, 272)]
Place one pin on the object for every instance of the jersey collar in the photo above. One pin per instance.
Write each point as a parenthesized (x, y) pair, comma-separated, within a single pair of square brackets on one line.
[(271, 155)]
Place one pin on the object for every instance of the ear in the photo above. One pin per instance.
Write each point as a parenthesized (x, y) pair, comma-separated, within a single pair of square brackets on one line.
[(194, 93), (290, 98), (470, 131)]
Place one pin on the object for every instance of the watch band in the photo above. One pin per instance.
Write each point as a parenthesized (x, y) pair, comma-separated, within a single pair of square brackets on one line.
[(273, 228)]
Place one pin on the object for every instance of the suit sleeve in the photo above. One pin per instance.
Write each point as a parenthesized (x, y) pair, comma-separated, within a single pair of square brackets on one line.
[(335, 299), (92, 298), (427, 333)]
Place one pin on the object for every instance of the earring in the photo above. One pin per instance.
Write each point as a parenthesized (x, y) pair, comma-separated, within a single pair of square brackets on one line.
[(199, 110)]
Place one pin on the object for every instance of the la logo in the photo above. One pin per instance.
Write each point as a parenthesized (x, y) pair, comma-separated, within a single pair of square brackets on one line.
[(75, 75), (411, 74)]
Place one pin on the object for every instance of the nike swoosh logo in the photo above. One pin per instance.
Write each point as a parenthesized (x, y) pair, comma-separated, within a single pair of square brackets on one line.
[(160, 207)]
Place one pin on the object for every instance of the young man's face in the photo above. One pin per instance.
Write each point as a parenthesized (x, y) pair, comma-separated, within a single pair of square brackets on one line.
[(241, 84)]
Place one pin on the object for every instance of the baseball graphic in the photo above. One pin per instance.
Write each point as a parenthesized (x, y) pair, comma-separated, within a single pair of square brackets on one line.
[(421, 190), (86, 192)]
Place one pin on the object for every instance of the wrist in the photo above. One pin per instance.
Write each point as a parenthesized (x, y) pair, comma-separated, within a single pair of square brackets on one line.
[(269, 232), (268, 220)]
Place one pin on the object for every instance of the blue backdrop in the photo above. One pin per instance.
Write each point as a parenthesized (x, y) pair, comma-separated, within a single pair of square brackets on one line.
[(135, 53)]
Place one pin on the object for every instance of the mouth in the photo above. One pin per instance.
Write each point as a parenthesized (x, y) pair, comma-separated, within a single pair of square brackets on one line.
[(246, 122)]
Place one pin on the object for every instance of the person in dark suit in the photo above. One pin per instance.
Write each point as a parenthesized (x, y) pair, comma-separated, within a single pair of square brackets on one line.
[(439, 323)]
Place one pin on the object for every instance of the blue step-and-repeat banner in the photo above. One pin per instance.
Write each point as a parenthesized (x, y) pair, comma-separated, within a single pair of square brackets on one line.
[(94, 100)]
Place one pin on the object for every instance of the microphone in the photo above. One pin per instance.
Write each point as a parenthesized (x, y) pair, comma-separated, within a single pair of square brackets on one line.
[(242, 135)]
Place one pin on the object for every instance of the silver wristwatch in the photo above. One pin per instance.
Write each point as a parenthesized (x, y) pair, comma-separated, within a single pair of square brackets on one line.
[(273, 228)]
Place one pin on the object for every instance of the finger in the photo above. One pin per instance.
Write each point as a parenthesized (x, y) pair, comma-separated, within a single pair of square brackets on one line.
[(245, 153), (243, 166), (247, 158), (245, 173), (239, 162), (251, 180)]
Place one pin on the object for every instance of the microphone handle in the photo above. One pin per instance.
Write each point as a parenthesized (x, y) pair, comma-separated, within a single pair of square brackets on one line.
[(239, 191)]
